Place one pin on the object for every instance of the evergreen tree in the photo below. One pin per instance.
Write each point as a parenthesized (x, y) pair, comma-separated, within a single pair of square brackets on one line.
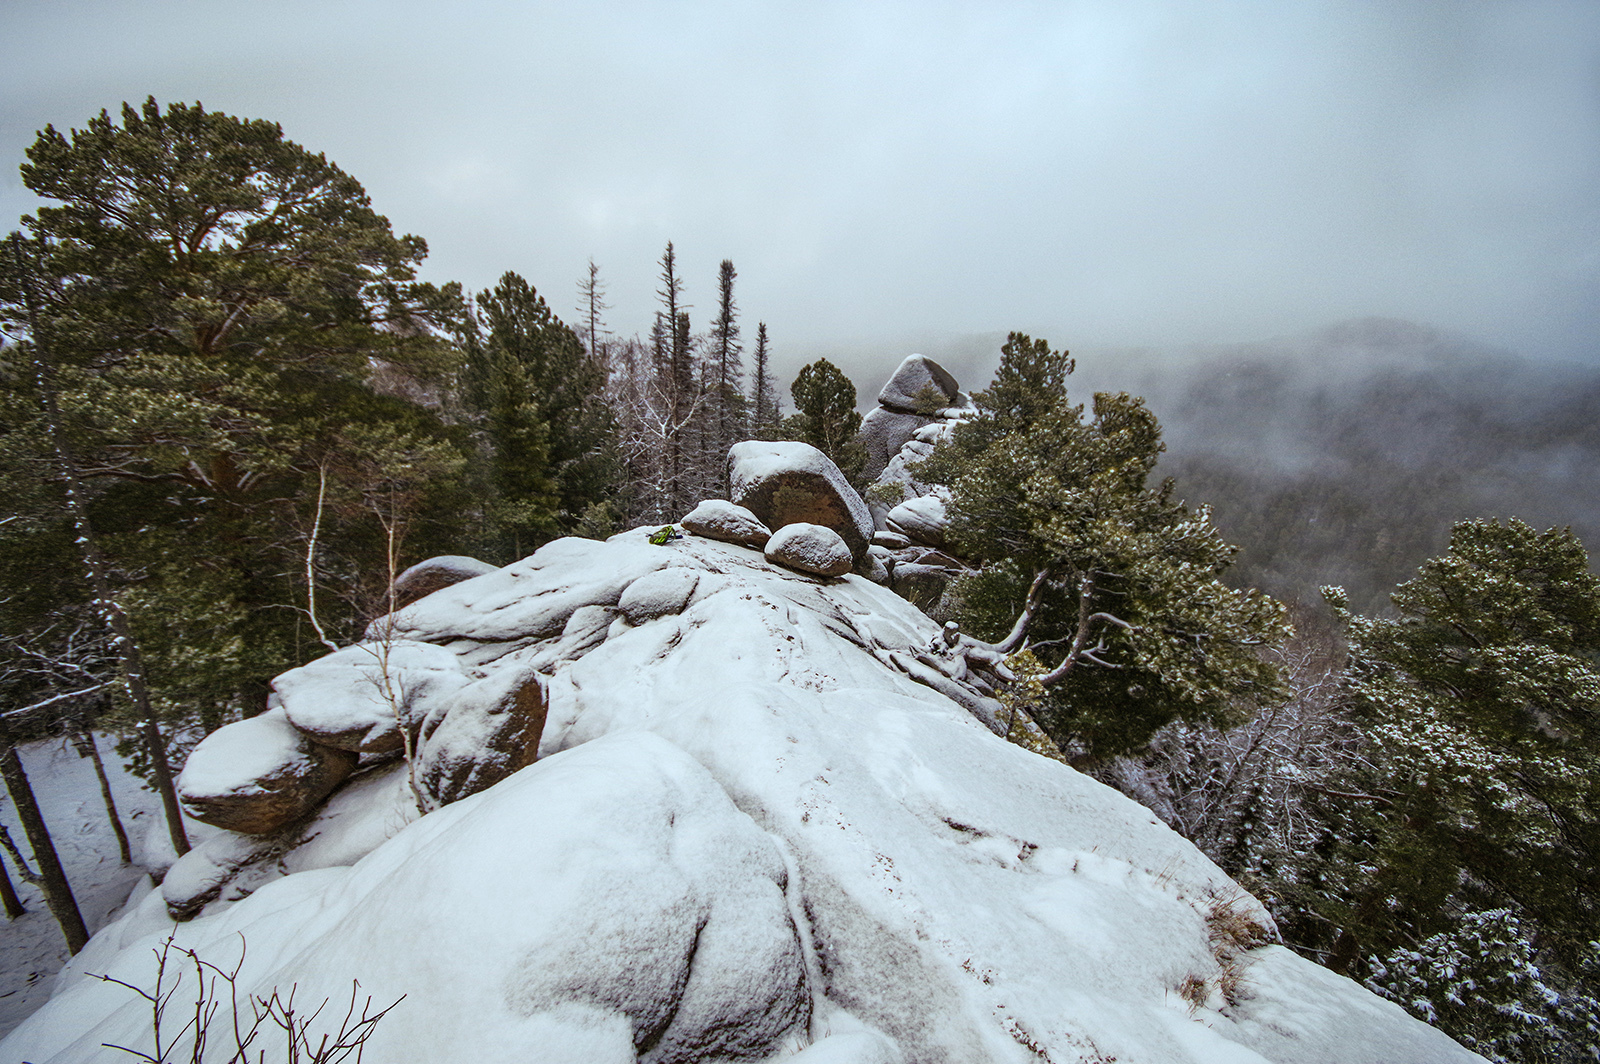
[(826, 416), (547, 442), (764, 399), (727, 392), (1117, 584), (222, 306), (592, 307), (1481, 702)]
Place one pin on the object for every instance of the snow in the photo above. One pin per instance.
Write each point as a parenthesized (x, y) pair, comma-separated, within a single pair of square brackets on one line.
[(358, 698), (232, 758), (810, 548), (751, 833), (31, 947)]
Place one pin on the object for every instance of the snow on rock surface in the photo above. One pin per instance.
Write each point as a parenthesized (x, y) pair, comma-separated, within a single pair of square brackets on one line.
[(360, 697), (259, 775), (490, 732), (426, 577), (810, 548), (721, 519), (757, 831), (918, 384), (922, 519), (789, 482)]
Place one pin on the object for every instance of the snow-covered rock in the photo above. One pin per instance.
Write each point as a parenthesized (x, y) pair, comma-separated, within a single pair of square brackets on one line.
[(491, 730), (922, 519), (259, 774), (426, 577), (919, 385), (765, 828), (659, 594), (787, 483), (883, 433), (811, 549), (721, 519), (200, 876), (359, 698)]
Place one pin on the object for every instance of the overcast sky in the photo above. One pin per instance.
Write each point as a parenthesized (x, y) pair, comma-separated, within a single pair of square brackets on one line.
[(890, 175)]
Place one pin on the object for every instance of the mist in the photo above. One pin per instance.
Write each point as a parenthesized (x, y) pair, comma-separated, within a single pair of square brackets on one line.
[(923, 176)]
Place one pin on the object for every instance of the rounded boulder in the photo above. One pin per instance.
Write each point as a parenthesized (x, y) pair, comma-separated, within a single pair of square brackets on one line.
[(260, 774), (786, 483), (811, 549), (721, 519)]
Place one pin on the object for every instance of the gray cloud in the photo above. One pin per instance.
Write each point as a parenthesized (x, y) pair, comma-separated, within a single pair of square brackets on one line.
[(890, 174)]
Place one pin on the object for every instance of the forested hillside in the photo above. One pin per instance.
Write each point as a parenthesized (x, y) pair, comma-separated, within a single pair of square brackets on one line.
[(1343, 456)]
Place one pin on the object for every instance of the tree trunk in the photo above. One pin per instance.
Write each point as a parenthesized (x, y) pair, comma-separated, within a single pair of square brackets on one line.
[(110, 610), (52, 878), (85, 743), (8, 894)]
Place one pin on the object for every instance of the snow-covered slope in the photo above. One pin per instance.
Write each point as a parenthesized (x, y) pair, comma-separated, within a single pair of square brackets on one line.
[(750, 835)]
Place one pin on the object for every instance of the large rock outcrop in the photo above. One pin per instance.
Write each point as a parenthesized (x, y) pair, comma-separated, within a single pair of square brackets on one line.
[(767, 823), (919, 393), (919, 406), (791, 483)]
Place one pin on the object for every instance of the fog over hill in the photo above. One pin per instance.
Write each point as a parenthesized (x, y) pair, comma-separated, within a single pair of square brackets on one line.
[(1343, 455)]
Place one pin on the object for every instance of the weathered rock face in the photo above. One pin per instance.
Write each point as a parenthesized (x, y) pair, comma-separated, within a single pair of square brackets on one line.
[(883, 433), (789, 483), (720, 519), (424, 578), (811, 549), (491, 730), (259, 775), (919, 386)]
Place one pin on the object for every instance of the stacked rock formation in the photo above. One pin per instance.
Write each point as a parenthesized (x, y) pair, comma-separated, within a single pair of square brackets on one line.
[(918, 407)]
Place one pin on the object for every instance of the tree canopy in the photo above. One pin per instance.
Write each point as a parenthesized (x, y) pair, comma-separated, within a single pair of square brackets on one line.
[(546, 442), (240, 343), (1116, 585), (825, 415)]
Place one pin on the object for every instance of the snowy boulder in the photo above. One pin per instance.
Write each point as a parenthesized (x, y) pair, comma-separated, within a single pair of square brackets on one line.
[(424, 578), (720, 519), (919, 386), (201, 875), (360, 697), (528, 600), (922, 519), (491, 730), (787, 483), (259, 775), (658, 594), (811, 549)]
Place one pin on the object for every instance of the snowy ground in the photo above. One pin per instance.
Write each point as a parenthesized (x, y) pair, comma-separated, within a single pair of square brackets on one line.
[(31, 947)]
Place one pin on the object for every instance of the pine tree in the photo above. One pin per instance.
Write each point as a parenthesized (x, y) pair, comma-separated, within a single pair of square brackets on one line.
[(591, 308), (1481, 704), (1117, 585), (764, 399), (547, 442), (826, 417), (233, 324), (727, 394)]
